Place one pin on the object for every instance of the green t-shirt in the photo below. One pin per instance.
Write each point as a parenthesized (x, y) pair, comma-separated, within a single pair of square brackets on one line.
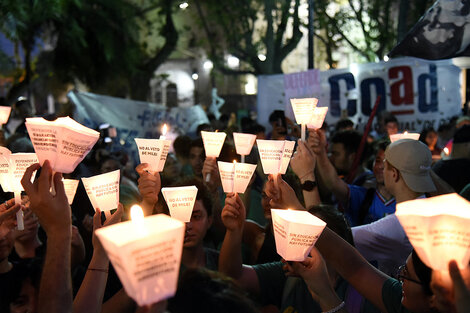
[(391, 296), (291, 295)]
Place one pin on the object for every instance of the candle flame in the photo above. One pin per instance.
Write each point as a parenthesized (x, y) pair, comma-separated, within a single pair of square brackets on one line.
[(406, 132), (234, 161), (446, 151), (216, 130), (164, 129), (137, 215)]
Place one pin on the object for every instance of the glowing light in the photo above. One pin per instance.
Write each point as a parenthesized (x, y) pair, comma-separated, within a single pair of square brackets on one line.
[(261, 57), (195, 76), (208, 65), (184, 5), (233, 61)]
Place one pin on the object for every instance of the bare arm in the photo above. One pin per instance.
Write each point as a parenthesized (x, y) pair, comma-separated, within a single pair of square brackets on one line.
[(303, 165), (149, 185), (54, 213), (230, 258), (326, 170), (89, 298), (347, 261)]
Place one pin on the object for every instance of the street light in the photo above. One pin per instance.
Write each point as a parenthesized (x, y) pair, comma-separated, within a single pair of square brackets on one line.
[(261, 57), (195, 76), (233, 61), (183, 5), (208, 65)]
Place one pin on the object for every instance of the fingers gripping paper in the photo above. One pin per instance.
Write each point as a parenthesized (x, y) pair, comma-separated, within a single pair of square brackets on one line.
[(318, 117), (295, 233), (235, 177), (146, 256), (213, 142), (275, 155), (438, 228), (103, 190), (243, 143), (63, 142), (153, 152), (180, 201)]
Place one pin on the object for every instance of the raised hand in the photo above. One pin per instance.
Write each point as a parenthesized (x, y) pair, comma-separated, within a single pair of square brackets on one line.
[(149, 186), (303, 161), (282, 197), (317, 141), (115, 218), (8, 211), (53, 211), (210, 167), (234, 213)]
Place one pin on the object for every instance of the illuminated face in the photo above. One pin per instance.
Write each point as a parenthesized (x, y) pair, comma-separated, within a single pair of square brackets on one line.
[(391, 128), (340, 159), (413, 296), (196, 159), (26, 300), (431, 139), (197, 227), (378, 167)]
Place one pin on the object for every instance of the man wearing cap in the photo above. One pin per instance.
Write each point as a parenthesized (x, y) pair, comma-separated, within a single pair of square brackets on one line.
[(407, 176), (456, 170)]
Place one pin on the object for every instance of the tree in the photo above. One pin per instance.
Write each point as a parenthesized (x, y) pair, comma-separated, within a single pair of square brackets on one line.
[(247, 28)]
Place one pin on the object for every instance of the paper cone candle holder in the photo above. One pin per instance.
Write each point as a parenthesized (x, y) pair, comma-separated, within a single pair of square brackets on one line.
[(146, 256), (318, 117), (275, 155), (180, 201), (63, 142), (4, 167), (405, 135), (295, 233), (235, 177), (70, 186), (213, 142), (4, 114), (438, 228), (12, 168), (303, 111), (243, 143), (103, 190), (153, 152)]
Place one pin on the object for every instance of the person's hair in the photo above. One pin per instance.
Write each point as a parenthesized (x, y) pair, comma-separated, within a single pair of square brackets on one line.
[(257, 128), (381, 145), (205, 127), (462, 135), (423, 272), (201, 290), (334, 219), (343, 124), (351, 139), (424, 133), (197, 143), (390, 118), (276, 115), (182, 144)]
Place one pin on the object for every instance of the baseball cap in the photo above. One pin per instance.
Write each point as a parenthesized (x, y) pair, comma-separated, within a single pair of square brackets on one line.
[(413, 159)]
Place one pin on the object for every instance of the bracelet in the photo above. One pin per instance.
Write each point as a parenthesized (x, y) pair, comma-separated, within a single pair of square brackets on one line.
[(308, 173), (104, 270), (336, 309)]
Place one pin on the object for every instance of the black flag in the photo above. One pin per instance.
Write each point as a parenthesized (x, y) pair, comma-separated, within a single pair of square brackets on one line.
[(442, 33)]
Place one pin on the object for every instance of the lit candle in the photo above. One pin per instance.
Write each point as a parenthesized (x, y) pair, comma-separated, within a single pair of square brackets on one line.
[(164, 131), (213, 142), (446, 151), (137, 218), (180, 201), (303, 111)]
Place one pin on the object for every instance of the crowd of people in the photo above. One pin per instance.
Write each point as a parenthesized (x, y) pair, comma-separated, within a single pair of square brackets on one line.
[(362, 262)]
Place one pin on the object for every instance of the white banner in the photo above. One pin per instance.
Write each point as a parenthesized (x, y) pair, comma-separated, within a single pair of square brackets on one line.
[(418, 92), (134, 118)]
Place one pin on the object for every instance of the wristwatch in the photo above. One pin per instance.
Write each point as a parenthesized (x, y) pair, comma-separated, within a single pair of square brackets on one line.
[(309, 185)]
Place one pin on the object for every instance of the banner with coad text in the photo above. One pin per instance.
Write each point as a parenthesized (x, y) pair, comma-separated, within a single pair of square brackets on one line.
[(420, 93)]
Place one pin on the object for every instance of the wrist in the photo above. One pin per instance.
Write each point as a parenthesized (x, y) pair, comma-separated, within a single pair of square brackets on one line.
[(307, 176)]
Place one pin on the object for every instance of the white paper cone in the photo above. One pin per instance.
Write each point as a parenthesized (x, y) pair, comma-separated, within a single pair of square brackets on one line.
[(243, 143), (286, 156), (295, 233), (243, 174), (180, 201), (19, 162), (303, 109), (318, 117), (70, 186), (227, 175), (213, 142), (63, 142), (396, 137), (438, 228), (5, 174), (153, 152), (103, 190), (4, 114), (270, 152), (146, 256)]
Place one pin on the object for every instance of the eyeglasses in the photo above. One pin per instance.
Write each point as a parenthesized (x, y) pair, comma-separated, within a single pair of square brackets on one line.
[(402, 275)]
